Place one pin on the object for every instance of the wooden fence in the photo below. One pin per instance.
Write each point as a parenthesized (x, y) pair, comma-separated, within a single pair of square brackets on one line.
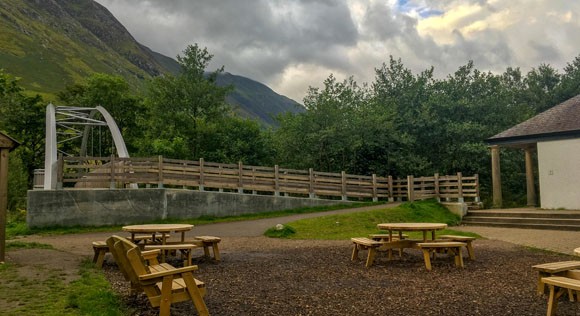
[(96, 172)]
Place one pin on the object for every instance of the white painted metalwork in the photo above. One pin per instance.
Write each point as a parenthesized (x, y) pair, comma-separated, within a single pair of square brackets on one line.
[(66, 120)]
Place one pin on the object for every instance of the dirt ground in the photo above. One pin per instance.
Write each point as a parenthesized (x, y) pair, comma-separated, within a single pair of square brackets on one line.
[(263, 276)]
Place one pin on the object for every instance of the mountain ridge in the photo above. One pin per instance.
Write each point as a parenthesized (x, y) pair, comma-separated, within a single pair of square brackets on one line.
[(51, 44)]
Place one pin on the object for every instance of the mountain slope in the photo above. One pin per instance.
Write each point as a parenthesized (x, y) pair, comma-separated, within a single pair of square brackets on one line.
[(255, 100), (54, 43)]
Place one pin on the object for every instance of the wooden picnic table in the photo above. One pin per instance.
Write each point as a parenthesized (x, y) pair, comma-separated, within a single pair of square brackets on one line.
[(406, 227), (162, 229)]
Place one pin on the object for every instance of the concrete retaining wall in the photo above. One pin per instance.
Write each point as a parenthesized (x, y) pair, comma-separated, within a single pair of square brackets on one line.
[(98, 207)]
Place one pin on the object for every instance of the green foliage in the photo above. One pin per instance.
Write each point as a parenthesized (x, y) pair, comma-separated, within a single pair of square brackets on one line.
[(183, 108), (282, 231), (92, 294), (12, 245), (344, 226)]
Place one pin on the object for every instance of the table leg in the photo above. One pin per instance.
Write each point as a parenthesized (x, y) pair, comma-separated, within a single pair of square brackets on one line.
[(432, 235), (424, 236)]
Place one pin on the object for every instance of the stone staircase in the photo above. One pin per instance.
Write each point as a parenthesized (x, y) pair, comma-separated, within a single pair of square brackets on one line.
[(524, 218)]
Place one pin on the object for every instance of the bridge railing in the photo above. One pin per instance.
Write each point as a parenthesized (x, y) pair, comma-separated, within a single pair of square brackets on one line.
[(114, 172)]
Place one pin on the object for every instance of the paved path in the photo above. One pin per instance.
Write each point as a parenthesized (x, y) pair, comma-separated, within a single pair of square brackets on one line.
[(553, 240)]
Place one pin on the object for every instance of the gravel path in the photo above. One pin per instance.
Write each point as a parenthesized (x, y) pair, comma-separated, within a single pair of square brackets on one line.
[(264, 276)]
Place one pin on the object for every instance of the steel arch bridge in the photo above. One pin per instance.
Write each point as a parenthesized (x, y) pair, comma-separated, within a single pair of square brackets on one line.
[(71, 123)]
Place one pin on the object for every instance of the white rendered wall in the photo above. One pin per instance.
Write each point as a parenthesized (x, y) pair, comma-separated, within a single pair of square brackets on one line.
[(559, 169)]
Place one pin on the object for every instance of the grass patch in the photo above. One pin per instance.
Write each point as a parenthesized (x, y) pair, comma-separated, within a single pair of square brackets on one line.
[(92, 294), (345, 226), (280, 231), (44, 292), (17, 227), (13, 245)]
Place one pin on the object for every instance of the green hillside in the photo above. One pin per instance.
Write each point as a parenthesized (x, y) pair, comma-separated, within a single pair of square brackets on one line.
[(50, 44)]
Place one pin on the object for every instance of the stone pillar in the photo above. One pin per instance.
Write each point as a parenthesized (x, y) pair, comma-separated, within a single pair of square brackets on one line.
[(530, 188), (496, 177)]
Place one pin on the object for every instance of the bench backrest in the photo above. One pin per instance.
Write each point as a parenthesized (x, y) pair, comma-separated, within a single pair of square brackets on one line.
[(119, 247)]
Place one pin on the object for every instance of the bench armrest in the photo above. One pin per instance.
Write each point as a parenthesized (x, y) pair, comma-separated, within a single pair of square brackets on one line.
[(161, 274)]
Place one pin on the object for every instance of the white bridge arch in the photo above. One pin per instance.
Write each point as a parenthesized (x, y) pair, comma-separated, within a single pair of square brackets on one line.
[(72, 119)]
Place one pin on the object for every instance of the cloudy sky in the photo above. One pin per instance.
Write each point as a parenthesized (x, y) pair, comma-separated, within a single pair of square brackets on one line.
[(290, 45)]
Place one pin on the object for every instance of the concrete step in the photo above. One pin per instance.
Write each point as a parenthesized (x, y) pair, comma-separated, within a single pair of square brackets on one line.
[(522, 220), (524, 225), (525, 213)]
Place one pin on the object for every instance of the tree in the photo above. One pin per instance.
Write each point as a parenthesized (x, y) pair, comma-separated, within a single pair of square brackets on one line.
[(21, 117), (180, 108)]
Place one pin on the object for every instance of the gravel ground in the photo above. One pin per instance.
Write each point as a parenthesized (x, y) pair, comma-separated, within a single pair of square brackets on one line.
[(263, 276)]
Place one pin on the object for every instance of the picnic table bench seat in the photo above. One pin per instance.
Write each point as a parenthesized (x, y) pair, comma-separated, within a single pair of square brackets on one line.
[(185, 250), (465, 239), (558, 286), (561, 268), (363, 243), (386, 237), (453, 247), (100, 249), (148, 238), (206, 242)]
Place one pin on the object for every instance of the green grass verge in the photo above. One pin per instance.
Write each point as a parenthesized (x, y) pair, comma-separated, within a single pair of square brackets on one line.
[(43, 291), (17, 225), (359, 224)]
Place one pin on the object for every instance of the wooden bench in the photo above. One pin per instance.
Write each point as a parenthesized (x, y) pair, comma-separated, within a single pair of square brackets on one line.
[(386, 237), (185, 250), (465, 239), (206, 242), (558, 286), (148, 238), (453, 247), (562, 268), (363, 243), (100, 248), (163, 284)]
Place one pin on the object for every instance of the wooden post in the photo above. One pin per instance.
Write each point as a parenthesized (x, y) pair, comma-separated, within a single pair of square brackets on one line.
[(254, 192), (375, 192), (459, 188), (201, 180), (477, 199), (112, 184), (530, 188), (276, 180), (3, 200), (6, 144), (311, 188), (496, 176), (410, 189), (436, 184), (240, 177), (343, 186), (160, 170), (391, 190), (59, 172)]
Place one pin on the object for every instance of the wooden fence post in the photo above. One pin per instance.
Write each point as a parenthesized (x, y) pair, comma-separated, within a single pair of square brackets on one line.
[(375, 191), (477, 188), (391, 190), (343, 186), (254, 192), (112, 184), (240, 177), (160, 170), (437, 194), (410, 189), (201, 180), (460, 188), (311, 188), (59, 172), (276, 180)]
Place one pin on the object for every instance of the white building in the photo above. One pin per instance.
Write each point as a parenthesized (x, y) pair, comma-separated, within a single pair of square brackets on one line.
[(555, 134)]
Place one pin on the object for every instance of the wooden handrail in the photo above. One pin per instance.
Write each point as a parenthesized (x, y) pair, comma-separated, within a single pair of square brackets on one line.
[(163, 172)]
